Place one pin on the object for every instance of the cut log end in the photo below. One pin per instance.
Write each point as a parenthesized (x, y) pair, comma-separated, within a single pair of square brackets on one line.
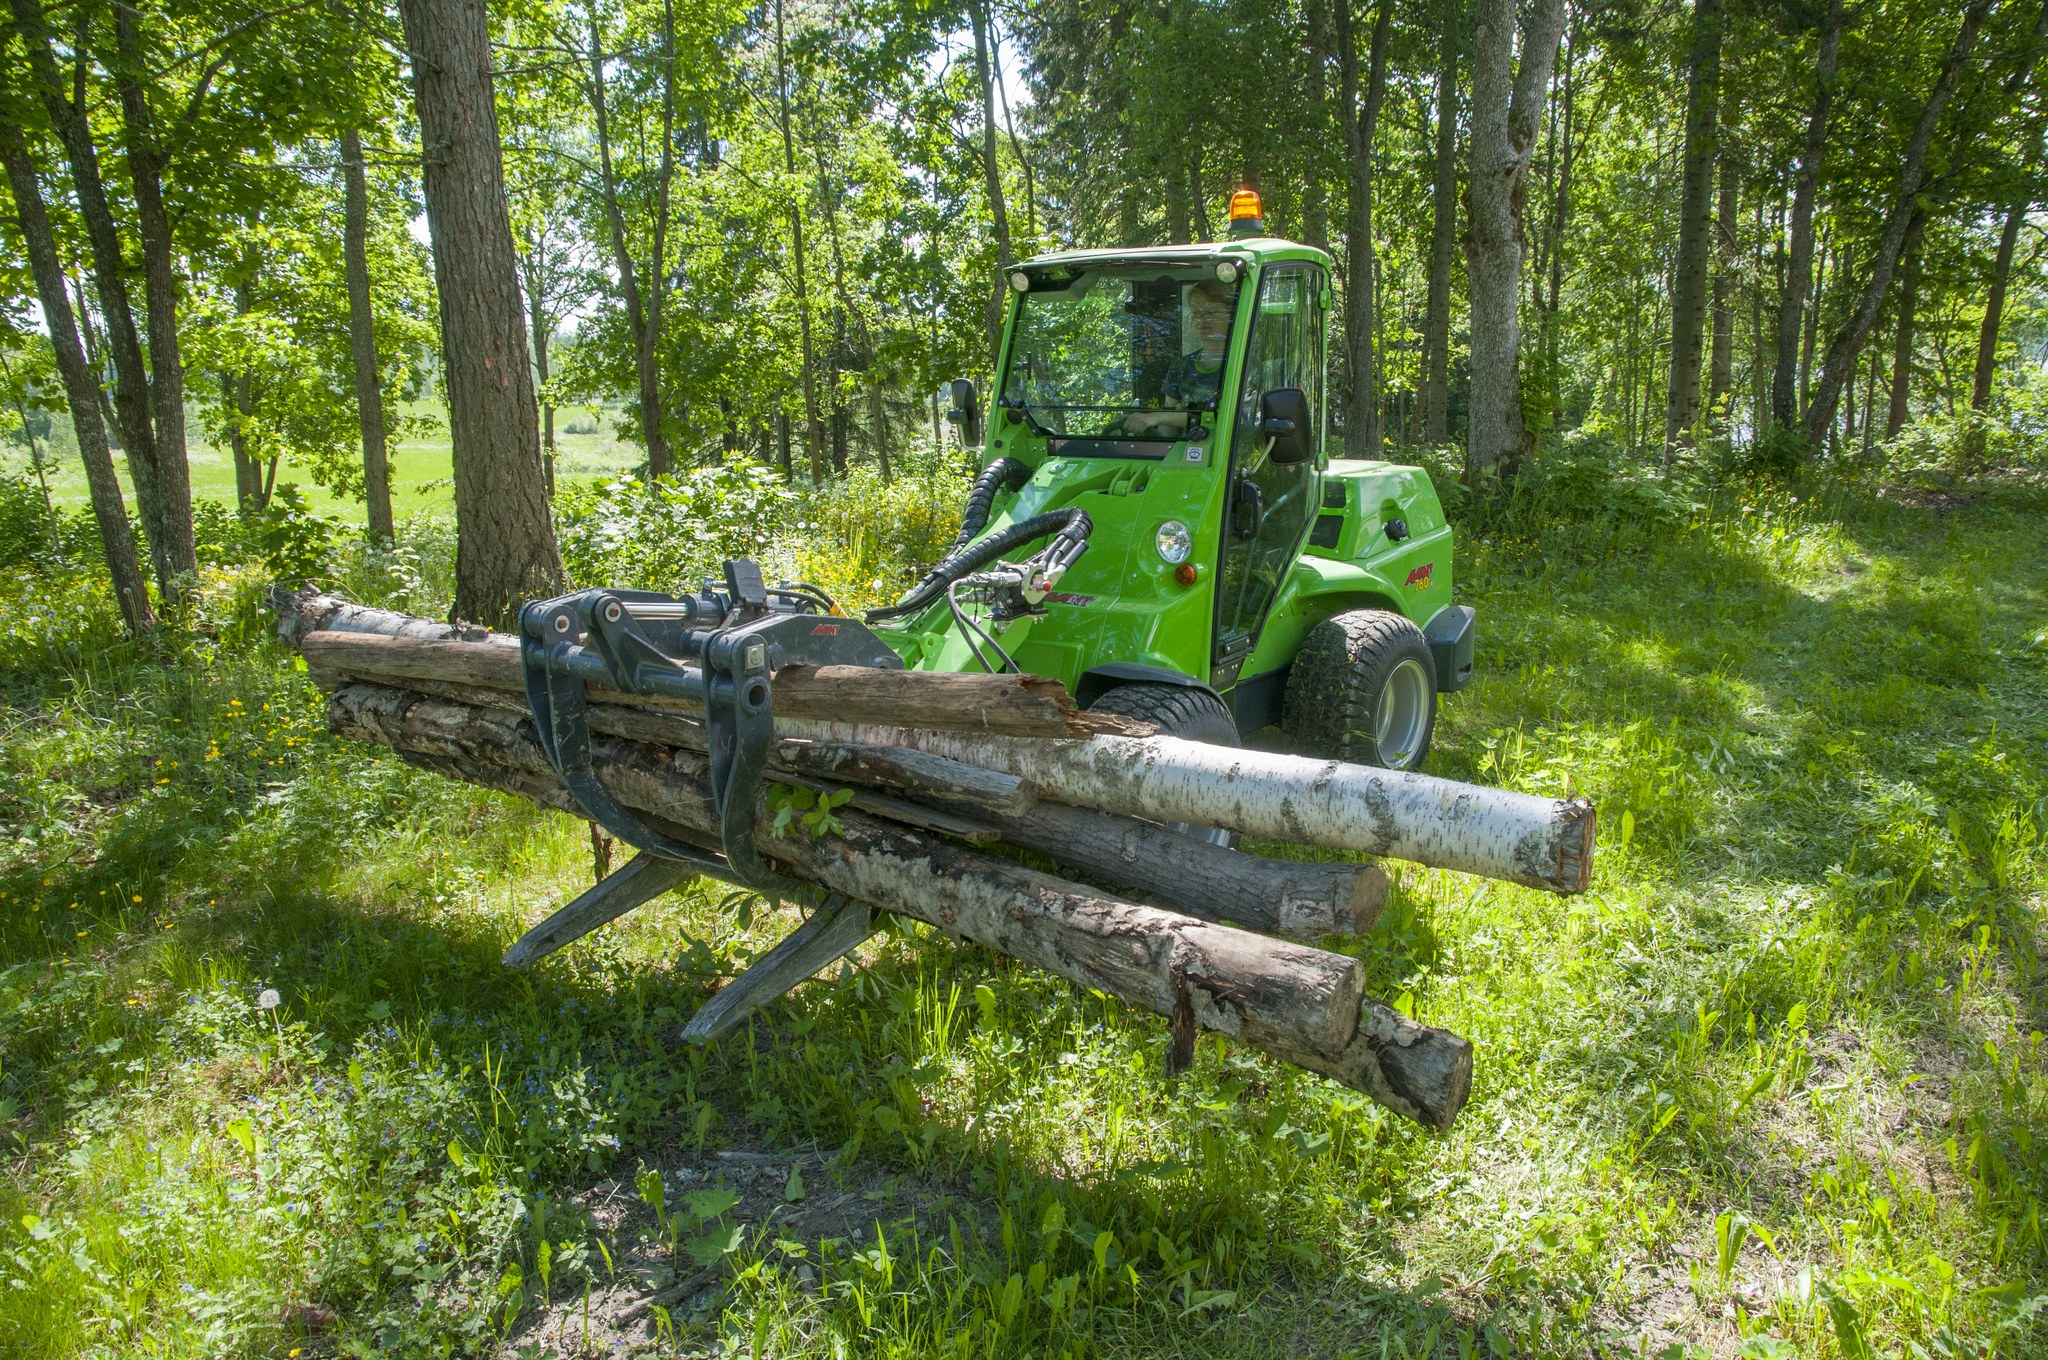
[(1563, 858), (1416, 1070)]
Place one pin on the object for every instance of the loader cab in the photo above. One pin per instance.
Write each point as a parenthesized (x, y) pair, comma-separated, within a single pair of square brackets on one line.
[(1178, 395)]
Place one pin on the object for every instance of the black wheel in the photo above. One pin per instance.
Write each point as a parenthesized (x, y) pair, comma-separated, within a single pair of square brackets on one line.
[(1178, 711), (1363, 689)]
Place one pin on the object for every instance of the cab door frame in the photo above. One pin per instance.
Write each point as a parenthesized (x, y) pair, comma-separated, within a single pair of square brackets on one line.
[(1229, 652)]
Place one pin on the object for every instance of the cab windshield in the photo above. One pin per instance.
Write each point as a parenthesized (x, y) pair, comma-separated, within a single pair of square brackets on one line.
[(1127, 353)]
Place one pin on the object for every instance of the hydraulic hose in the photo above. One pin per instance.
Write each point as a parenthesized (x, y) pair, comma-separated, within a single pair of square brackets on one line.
[(1072, 525), (1004, 474)]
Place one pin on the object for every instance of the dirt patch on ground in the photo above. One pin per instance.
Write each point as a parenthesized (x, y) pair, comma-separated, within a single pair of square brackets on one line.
[(648, 1295)]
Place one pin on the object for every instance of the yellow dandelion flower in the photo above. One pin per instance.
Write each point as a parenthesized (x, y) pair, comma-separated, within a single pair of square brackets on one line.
[(136, 898)]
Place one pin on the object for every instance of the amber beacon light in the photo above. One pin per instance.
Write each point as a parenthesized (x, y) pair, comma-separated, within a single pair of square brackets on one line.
[(1247, 214)]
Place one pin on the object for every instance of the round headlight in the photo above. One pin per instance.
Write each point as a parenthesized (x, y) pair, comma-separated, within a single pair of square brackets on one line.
[(1174, 541), (1020, 282), (1226, 272)]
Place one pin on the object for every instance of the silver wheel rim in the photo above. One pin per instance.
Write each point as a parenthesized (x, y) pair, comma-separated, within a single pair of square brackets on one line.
[(1403, 715)]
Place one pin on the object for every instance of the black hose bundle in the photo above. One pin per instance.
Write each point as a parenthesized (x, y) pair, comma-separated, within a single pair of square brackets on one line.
[(1004, 474), (1071, 524)]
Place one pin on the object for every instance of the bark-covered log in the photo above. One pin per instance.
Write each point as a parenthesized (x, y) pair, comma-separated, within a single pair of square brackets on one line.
[(967, 789), (1021, 705), (1294, 899), (1296, 1002)]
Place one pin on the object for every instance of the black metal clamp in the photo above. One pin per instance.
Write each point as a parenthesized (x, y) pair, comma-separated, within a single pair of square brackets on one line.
[(719, 648)]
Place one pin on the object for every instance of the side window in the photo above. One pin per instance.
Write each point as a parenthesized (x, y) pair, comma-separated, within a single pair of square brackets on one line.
[(1287, 344), (1270, 504)]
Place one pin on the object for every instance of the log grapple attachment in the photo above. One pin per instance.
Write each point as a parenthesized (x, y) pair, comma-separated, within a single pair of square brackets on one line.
[(719, 648)]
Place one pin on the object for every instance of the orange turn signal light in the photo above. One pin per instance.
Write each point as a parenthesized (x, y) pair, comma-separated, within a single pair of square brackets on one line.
[(1244, 204), (1185, 573)]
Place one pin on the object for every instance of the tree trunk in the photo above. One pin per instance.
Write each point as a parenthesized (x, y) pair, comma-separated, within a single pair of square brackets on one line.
[(110, 281), (1985, 369), (1443, 239), (1362, 409), (1197, 198), (1902, 340), (1016, 144), (1695, 225), (160, 287), (362, 337), (1315, 197), (992, 175), (538, 319), (1787, 387), (1507, 108), (1017, 705), (638, 322), (81, 389), (505, 540), (812, 433), (1721, 364), (1848, 340), (247, 481)]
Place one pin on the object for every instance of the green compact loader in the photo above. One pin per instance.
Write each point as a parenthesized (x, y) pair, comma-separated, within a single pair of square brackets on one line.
[(1159, 425), (1156, 524)]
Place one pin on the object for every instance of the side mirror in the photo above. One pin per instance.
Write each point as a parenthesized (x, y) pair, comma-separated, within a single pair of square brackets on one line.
[(965, 416), (1284, 418)]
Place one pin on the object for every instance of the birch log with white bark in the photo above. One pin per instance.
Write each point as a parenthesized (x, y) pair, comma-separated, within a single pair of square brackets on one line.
[(1495, 833)]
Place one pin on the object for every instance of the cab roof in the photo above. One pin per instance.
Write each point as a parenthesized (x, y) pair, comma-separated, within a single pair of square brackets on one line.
[(1248, 249)]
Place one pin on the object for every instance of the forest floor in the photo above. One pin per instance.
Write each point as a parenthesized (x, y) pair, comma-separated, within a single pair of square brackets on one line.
[(1776, 1086)]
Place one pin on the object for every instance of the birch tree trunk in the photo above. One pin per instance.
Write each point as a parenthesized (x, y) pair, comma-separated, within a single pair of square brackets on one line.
[(81, 390), (362, 336), (505, 539), (1507, 108), (1787, 385), (1443, 240), (1848, 340), (1695, 225)]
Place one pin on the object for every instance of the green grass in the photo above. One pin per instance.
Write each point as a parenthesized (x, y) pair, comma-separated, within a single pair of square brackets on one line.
[(1775, 1086), (421, 470)]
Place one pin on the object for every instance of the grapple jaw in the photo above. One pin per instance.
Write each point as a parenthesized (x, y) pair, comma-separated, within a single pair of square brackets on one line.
[(718, 648)]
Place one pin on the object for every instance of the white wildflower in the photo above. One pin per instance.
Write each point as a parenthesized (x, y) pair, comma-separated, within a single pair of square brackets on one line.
[(268, 999)]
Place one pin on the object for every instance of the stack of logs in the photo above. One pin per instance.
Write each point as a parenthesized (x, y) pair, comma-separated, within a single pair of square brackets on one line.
[(943, 769)]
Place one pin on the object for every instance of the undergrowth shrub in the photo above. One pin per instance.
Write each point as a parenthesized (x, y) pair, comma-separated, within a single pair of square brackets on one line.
[(669, 533), (856, 536), (35, 533)]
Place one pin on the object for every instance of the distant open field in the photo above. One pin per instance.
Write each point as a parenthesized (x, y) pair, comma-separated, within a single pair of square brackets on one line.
[(420, 468)]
